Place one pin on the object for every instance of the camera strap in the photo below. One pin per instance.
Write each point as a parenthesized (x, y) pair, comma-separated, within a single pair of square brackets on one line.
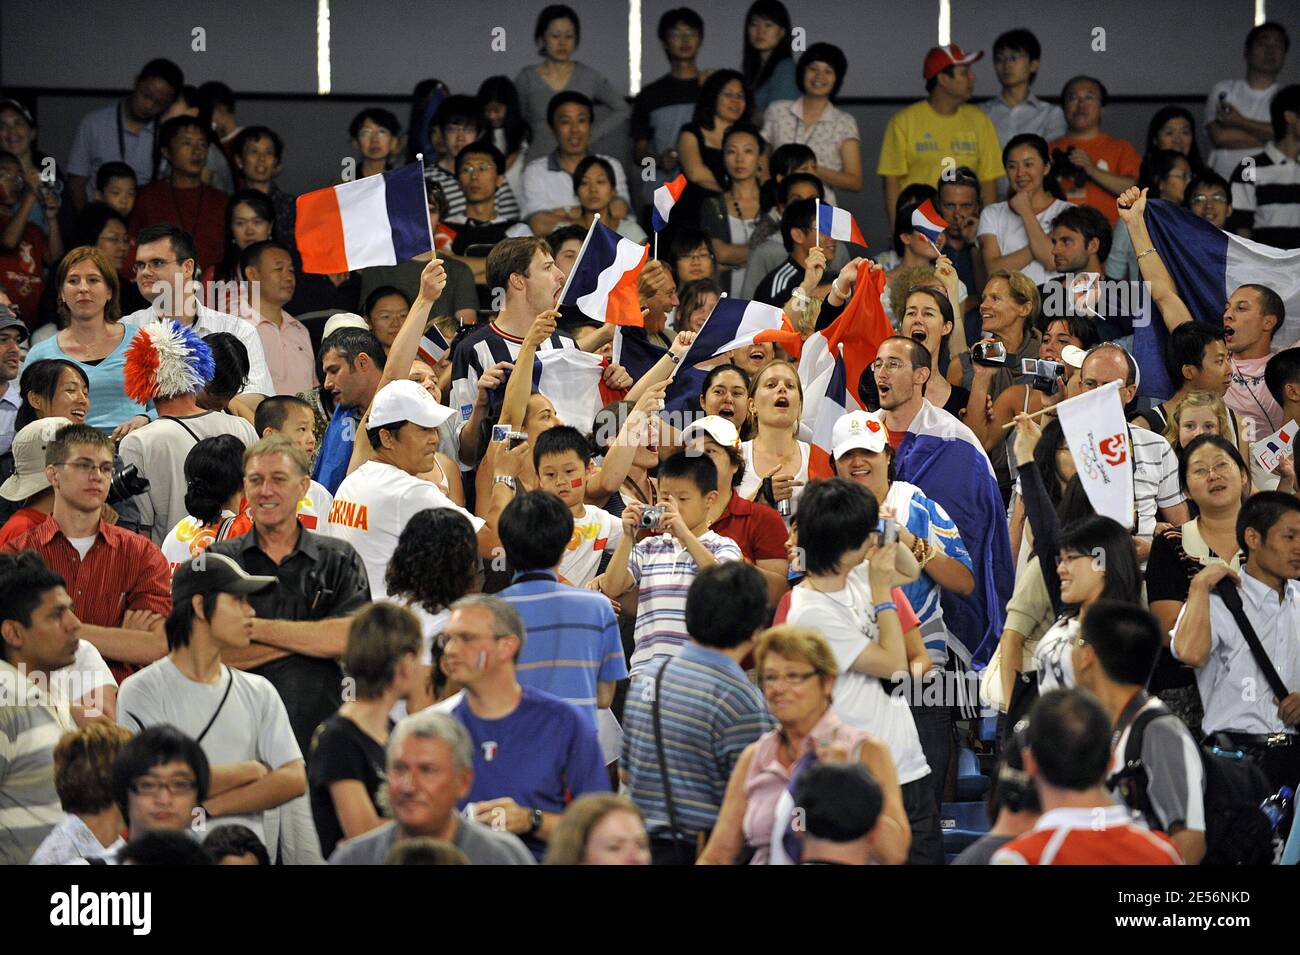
[(188, 429)]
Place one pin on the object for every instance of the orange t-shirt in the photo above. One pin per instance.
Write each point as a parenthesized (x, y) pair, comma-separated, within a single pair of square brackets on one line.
[(1111, 155)]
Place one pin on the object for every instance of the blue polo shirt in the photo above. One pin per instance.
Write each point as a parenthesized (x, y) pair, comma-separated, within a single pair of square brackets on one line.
[(572, 640), (336, 449), (542, 755), (96, 142)]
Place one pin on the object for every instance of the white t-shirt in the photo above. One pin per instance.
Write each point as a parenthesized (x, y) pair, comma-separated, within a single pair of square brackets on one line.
[(752, 479), (431, 624), (1007, 227), (159, 450), (371, 508), (87, 673), (1250, 103), (190, 537), (596, 533), (252, 725), (314, 509), (82, 544), (847, 621)]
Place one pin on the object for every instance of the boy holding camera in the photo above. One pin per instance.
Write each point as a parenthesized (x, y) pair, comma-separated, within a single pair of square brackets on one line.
[(655, 574)]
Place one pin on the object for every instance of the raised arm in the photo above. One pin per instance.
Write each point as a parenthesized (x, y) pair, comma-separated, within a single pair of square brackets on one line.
[(514, 405), (1132, 211)]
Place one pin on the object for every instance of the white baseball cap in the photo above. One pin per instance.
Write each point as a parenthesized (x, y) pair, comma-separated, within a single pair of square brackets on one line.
[(855, 430), (406, 400), (343, 320), (716, 427), (1073, 356)]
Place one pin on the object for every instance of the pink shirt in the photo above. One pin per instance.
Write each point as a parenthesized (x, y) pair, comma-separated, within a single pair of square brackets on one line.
[(289, 356), (768, 779), (1250, 398)]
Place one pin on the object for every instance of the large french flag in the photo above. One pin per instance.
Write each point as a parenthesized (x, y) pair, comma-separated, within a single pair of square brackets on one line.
[(378, 220), (942, 457), (855, 335), (736, 323), (839, 224), (927, 221), (571, 379), (602, 284), (835, 402), (665, 198), (637, 354), (1207, 265)]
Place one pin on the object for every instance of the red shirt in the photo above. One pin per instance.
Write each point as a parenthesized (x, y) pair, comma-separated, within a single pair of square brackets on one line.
[(757, 528), (895, 438), (122, 571), (22, 270), (201, 212), (1091, 836), (20, 522), (1116, 156)]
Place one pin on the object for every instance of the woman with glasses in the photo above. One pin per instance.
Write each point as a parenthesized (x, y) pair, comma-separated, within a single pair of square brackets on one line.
[(1167, 173), (1090, 559), (1215, 476), (94, 338), (434, 564), (377, 137), (797, 671)]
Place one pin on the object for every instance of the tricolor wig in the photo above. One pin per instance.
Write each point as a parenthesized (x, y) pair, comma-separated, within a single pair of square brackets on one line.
[(166, 359)]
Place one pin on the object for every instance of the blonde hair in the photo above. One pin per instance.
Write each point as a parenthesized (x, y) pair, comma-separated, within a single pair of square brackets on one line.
[(568, 844), (758, 377), (279, 444), (797, 643), (1023, 292), (113, 307), (1198, 399)]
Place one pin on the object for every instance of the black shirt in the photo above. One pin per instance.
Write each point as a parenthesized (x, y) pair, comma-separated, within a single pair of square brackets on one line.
[(776, 286), (321, 578), (341, 750)]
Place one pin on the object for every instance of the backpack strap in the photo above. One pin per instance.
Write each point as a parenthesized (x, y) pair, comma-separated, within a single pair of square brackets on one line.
[(1231, 598), (1131, 779)]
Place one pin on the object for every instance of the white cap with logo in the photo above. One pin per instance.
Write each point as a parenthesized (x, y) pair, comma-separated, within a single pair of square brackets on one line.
[(407, 401), (716, 427), (858, 430)]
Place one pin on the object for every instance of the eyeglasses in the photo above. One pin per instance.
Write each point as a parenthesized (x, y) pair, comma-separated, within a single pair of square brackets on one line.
[(153, 265), (472, 168), (444, 639), (1223, 468), (892, 364), (1082, 98), (115, 239), (374, 134), (788, 679), (696, 256), (1203, 200), (88, 467), (152, 787)]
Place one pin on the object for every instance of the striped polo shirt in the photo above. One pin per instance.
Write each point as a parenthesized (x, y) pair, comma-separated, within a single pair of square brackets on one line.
[(572, 640), (1267, 194), (1155, 478), (31, 724), (709, 713), (664, 569)]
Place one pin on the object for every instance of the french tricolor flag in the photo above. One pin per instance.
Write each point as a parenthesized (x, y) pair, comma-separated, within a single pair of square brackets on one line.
[(378, 220), (433, 346), (603, 282), (839, 224), (835, 404), (665, 198), (927, 221), (737, 323)]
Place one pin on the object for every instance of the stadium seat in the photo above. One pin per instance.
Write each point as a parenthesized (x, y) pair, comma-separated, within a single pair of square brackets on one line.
[(971, 783), (962, 823)]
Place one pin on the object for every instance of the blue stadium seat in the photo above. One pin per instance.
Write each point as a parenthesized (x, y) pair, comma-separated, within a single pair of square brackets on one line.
[(962, 823), (971, 783)]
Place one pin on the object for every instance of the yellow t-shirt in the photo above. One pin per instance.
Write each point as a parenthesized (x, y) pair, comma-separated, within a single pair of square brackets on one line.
[(917, 139)]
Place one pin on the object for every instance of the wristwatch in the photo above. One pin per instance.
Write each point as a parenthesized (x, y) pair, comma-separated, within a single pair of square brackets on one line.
[(534, 821), (507, 481)]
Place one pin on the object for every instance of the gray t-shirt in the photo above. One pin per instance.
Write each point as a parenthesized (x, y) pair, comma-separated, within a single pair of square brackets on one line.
[(159, 450), (253, 723), (980, 852), (483, 846)]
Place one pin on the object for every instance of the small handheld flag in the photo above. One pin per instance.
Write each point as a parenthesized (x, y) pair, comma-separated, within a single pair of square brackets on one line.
[(927, 221), (433, 346), (839, 224), (665, 198), (602, 283), (378, 220)]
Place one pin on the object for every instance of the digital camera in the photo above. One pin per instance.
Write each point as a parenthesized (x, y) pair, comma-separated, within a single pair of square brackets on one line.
[(1045, 374), (989, 354)]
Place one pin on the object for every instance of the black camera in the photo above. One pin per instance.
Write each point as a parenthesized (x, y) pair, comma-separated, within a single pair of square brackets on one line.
[(1045, 374), (1064, 168), (126, 483), (989, 354)]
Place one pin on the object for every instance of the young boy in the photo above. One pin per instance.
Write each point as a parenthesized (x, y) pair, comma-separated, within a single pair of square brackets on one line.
[(115, 186), (659, 570), (562, 457), (799, 236), (294, 418), (258, 152)]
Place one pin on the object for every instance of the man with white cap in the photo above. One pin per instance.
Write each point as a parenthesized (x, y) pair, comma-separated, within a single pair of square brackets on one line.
[(374, 502), (944, 124), (237, 718), (757, 528), (12, 334)]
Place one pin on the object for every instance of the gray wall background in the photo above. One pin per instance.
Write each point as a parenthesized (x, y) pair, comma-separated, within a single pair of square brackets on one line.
[(1171, 49)]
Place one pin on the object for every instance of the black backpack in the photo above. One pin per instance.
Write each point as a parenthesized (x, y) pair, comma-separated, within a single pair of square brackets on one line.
[(1236, 830)]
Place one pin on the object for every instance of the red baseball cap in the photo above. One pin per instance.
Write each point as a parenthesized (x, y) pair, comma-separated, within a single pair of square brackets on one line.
[(941, 57)]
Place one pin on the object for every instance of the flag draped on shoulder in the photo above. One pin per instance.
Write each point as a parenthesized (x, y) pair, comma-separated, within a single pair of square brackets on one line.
[(737, 323), (378, 220), (1207, 264), (942, 457), (858, 331), (835, 402), (602, 284)]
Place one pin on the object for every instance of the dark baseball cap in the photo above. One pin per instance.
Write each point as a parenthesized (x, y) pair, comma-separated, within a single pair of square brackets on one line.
[(9, 319), (210, 573)]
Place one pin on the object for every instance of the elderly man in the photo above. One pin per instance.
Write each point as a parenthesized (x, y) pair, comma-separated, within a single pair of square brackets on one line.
[(430, 768)]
